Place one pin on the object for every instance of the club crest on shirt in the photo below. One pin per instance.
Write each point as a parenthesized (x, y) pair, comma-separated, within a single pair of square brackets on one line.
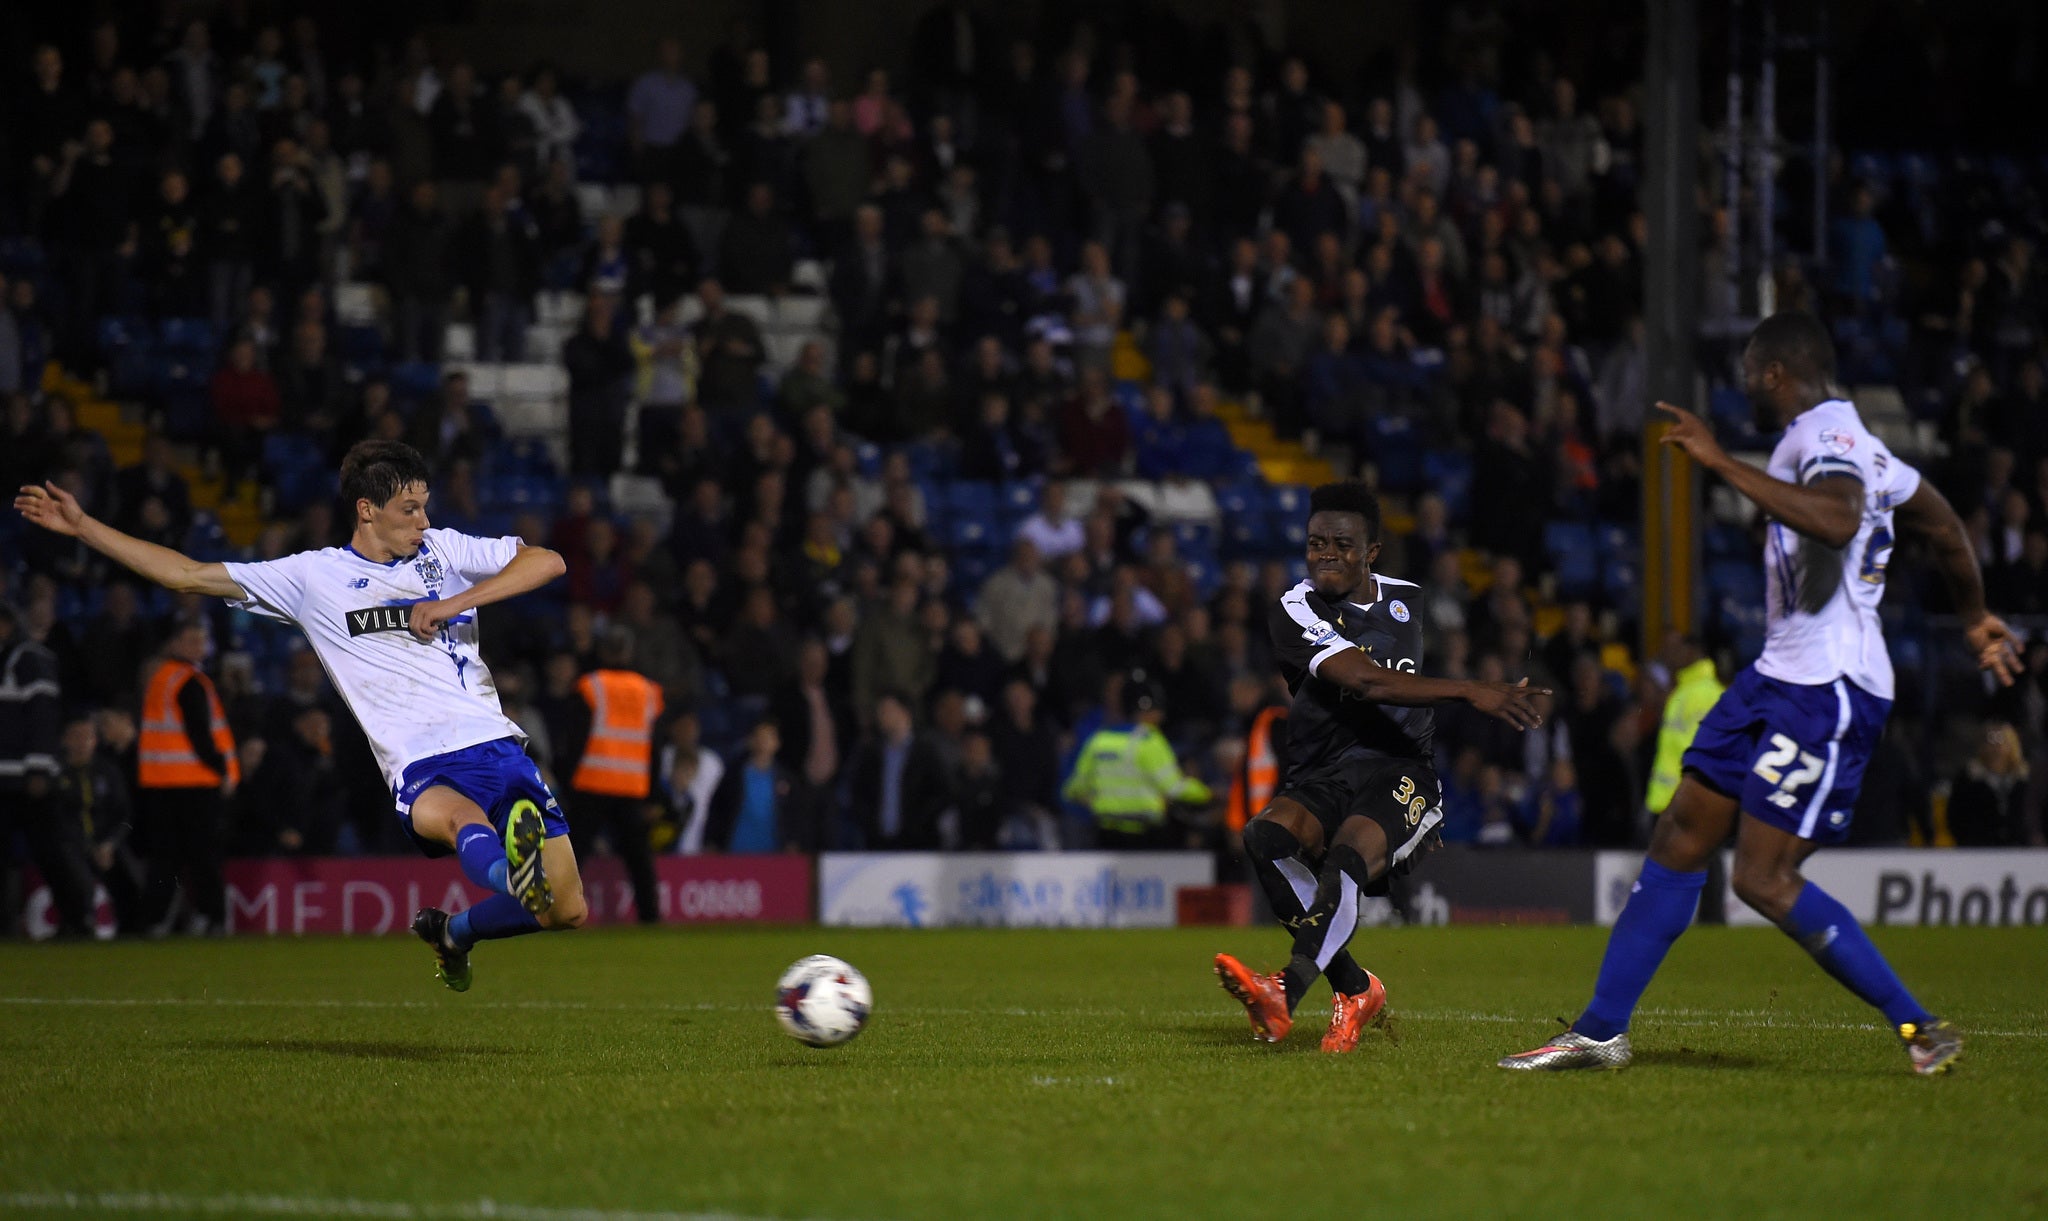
[(429, 568), (1838, 441), (1399, 610)]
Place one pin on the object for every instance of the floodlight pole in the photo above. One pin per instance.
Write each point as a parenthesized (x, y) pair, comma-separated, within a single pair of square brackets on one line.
[(1671, 309)]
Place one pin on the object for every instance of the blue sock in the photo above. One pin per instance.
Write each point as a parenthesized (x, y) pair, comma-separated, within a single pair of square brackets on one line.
[(1826, 930), (482, 855), (1658, 910), (495, 918)]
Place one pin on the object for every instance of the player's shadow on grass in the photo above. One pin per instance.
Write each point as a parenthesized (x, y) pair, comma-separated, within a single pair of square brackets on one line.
[(361, 1049), (1687, 1057), (1234, 1034)]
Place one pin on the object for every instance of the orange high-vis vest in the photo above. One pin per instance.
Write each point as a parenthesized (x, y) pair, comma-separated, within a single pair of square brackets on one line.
[(1259, 775), (619, 756), (165, 756)]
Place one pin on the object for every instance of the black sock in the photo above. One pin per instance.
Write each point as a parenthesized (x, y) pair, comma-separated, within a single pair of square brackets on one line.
[(1323, 930), (1273, 851)]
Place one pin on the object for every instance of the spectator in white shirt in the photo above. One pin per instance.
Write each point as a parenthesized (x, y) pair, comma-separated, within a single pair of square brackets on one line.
[(690, 774), (803, 113), (555, 125), (1051, 530)]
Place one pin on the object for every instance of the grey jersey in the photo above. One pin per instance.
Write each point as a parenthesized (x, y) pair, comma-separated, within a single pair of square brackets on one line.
[(1327, 724)]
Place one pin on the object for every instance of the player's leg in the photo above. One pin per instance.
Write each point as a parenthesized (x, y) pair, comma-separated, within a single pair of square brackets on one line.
[(1281, 842), (1767, 877), (1274, 842), (1660, 905), (444, 815), (1358, 854), (568, 909)]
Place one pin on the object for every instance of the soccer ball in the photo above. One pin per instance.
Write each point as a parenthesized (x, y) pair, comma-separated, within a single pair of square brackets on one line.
[(822, 1001)]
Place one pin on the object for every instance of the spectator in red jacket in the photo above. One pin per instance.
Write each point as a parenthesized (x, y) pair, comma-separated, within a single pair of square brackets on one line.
[(1094, 434), (245, 407)]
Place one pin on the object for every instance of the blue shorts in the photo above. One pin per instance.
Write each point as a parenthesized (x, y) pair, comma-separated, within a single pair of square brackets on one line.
[(493, 775), (1793, 755)]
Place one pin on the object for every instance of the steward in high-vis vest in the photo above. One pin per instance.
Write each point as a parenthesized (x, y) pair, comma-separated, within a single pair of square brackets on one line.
[(1694, 688), (186, 769), (613, 784), (1126, 776), (1257, 776)]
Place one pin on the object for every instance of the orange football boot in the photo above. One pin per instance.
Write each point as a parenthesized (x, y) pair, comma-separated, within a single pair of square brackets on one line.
[(1350, 1015), (1264, 998)]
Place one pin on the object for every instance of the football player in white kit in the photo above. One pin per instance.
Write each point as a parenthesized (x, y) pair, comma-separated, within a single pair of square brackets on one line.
[(393, 618), (1785, 746)]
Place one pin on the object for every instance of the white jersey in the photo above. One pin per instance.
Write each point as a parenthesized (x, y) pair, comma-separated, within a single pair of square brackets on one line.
[(1822, 603), (415, 699)]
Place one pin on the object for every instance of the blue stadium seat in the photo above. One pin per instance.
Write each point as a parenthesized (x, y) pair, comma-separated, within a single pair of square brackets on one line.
[(1618, 539), (868, 456), (362, 346), (1729, 405), (973, 532), (205, 541), (1448, 473), (188, 336), (120, 332), (297, 469), (928, 460), (1575, 557), (1739, 580), (969, 572), (1240, 498), (1288, 499), (1195, 538), (1726, 541), (1397, 452), (969, 498), (1621, 583), (1019, 500), (1247, 535), (416, 380)]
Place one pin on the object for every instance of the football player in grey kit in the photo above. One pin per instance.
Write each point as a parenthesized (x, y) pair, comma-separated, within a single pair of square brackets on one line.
[(1358, 796)]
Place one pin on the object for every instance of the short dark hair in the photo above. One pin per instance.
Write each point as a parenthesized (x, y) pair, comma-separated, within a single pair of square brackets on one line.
[(1348, 496), (378, 470), (1798, 341)]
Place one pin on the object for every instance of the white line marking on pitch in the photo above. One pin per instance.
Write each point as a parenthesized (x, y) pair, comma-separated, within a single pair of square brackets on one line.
[(1656, 1017), (310, 1206)]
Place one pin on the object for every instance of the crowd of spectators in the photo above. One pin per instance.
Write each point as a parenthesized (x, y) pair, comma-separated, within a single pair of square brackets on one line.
[(1430, 270)]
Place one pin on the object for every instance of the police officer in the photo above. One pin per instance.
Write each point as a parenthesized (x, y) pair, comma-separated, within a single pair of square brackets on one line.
[(1127, 776)]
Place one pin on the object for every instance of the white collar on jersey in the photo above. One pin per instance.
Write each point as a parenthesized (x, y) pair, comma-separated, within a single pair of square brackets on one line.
[(1817, 408), (1379, 592)]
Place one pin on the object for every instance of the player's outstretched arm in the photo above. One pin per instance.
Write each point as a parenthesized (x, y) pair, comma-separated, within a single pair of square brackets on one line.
[(1829, 509), (58, 511), (531, 568), (1356, 671), (1928, 514)]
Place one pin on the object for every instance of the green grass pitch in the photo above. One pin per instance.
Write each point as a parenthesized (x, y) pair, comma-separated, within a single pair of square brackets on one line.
[(1006, 1074)]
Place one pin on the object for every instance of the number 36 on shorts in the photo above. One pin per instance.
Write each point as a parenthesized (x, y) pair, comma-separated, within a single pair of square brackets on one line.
[(1777, 767)]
